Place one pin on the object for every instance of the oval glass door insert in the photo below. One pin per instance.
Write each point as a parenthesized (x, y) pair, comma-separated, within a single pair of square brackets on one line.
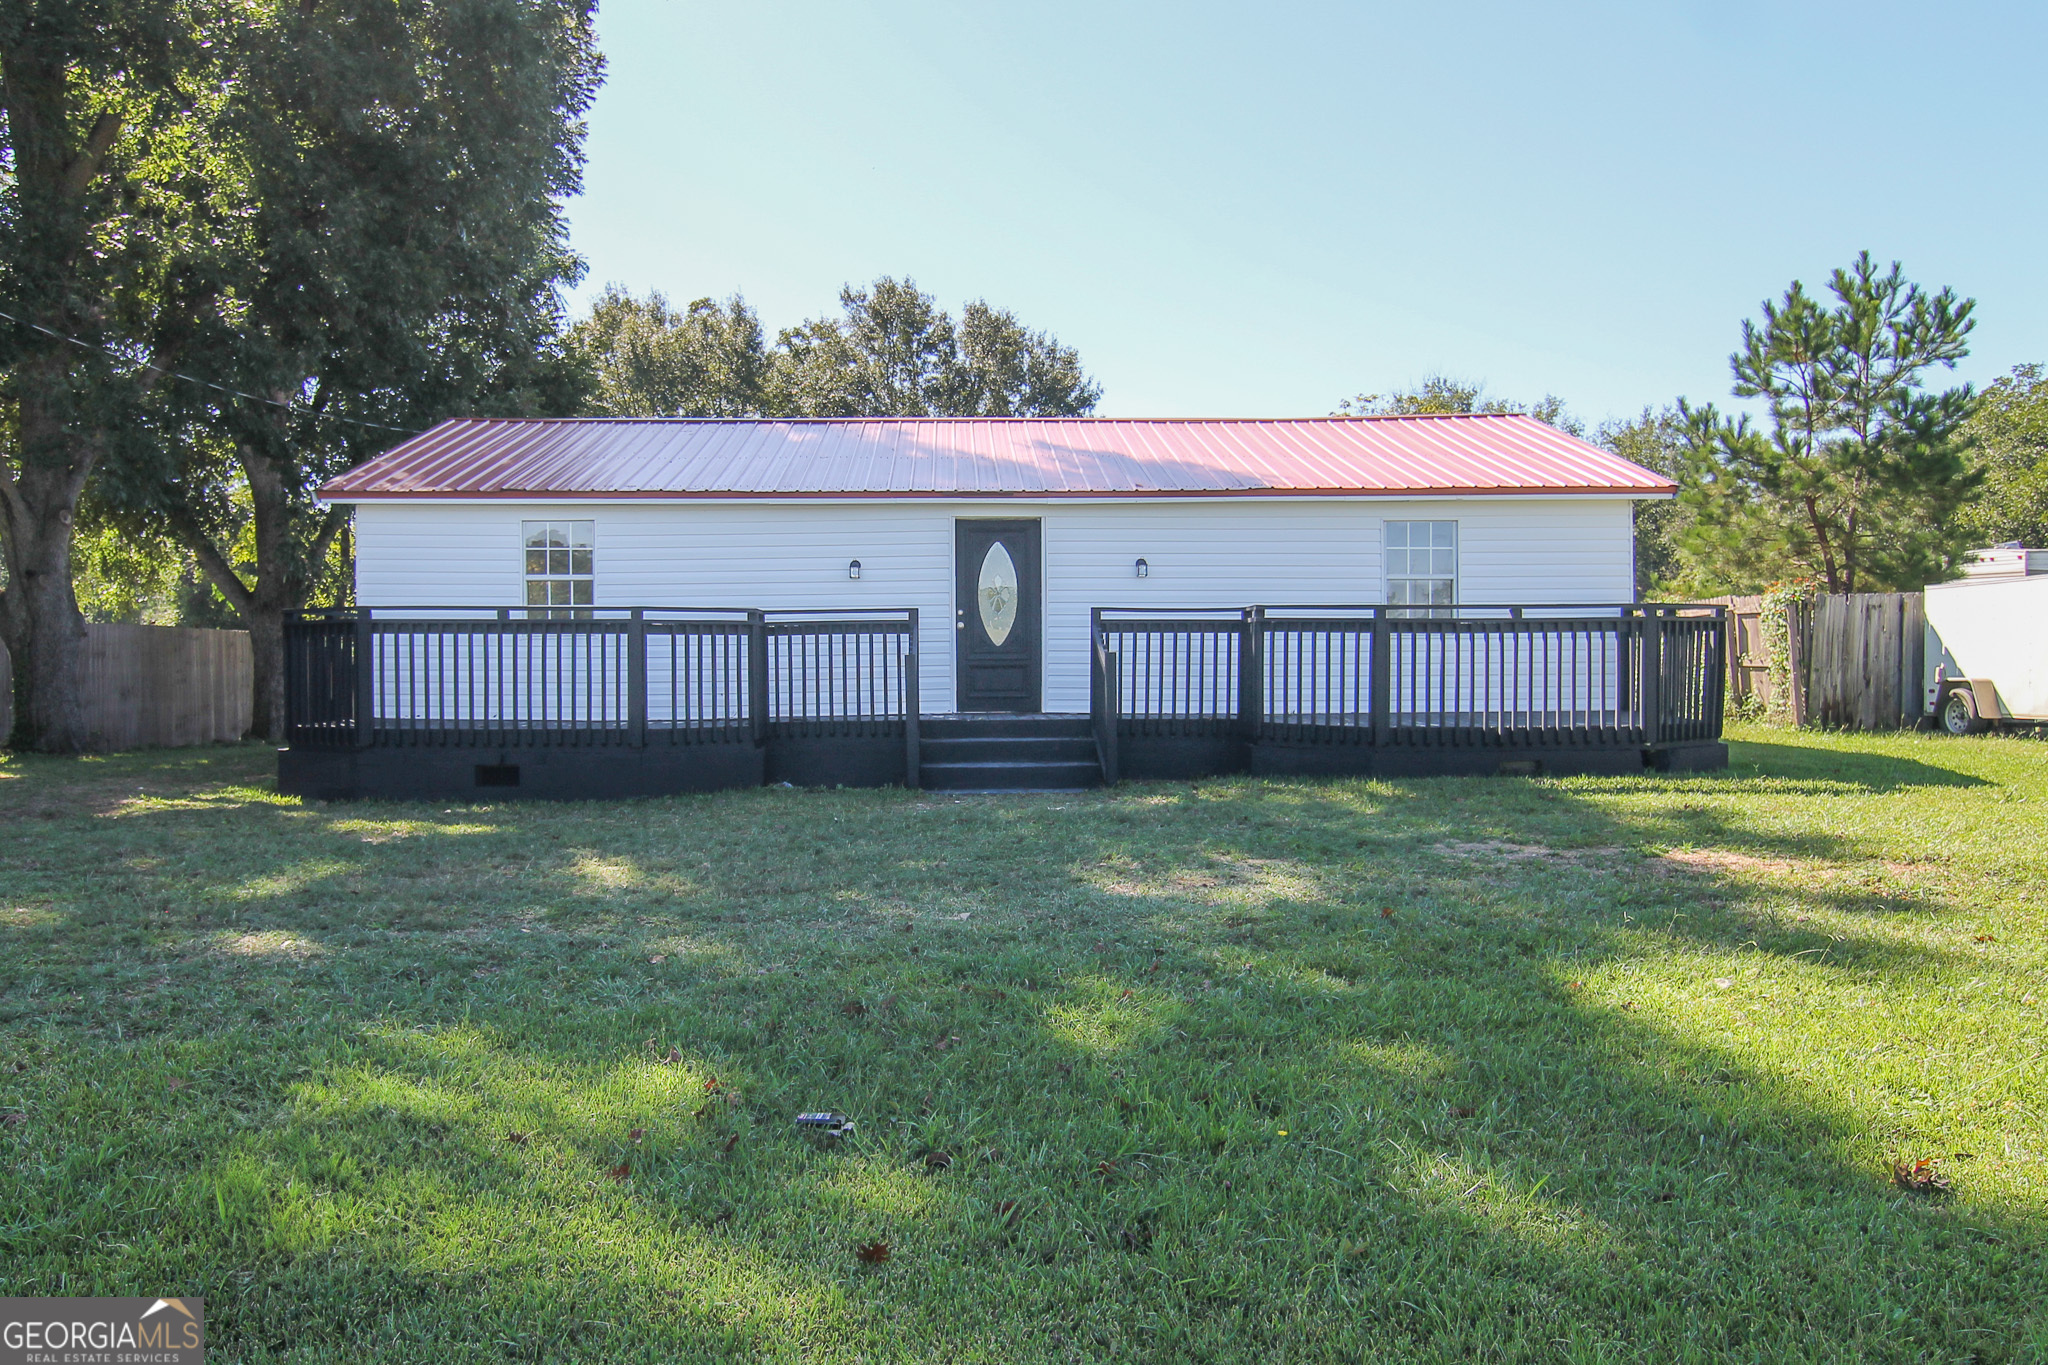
[(997, 593)]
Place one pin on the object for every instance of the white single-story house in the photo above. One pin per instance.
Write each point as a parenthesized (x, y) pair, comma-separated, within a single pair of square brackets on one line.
[(1003, 533)]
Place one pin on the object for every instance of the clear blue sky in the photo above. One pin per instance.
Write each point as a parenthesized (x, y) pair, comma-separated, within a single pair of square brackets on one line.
[(1261, 209)]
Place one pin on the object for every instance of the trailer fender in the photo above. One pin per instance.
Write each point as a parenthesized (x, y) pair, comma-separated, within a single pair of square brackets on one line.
[(1960, 709)]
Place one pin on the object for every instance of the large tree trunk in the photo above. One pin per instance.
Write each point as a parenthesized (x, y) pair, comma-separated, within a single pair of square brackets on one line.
[(283, 570), (38, 614), (39, 617), (266, 646), (60, 408)]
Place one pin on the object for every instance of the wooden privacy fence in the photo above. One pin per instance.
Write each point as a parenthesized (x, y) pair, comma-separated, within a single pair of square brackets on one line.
[(158, 687), (1748, 651), (1855, 660)]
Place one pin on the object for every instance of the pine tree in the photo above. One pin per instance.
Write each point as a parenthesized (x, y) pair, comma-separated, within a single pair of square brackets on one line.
[(1859, 472)]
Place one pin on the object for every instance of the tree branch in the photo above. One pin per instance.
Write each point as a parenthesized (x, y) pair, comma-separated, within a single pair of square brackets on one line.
[(83, 167), (213, 562)]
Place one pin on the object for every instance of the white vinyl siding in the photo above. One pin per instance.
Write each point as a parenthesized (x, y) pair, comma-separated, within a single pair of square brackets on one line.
[(1202, 552)]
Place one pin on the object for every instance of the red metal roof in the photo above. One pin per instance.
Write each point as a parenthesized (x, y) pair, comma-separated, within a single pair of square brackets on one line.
[(975, 457)]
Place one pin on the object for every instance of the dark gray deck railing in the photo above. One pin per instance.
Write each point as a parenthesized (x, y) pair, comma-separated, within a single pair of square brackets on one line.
[(1530, 676), (626, 677)]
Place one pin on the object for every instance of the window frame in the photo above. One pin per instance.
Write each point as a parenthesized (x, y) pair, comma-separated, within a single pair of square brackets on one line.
[(567, 568), (1404, 579)]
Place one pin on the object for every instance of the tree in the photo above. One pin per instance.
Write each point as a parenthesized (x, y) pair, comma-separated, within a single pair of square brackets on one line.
[(648, 360), (892, 352), (2010, 432), (1440, 393), (1860, 474), (94, 178), (1654, 439), (383, 249)]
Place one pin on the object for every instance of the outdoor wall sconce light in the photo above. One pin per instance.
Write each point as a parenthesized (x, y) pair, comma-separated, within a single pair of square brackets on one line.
[(853, 568), (1144, 569)]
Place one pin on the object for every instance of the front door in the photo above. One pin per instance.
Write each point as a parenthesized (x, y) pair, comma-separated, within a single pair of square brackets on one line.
[(998, 625)]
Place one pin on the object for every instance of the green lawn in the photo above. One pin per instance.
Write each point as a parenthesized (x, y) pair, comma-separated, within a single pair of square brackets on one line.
[(1488, 1069)]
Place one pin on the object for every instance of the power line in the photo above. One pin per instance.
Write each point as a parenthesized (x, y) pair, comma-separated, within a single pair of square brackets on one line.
[(203, 383)]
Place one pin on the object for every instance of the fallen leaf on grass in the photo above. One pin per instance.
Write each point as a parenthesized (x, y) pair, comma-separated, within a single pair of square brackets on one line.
[(874, 1253), (1984, 938), (1921, 1176), (945, 1042), (1009, 1211), (517, 1139), (1628, 1004), (673, 1057), (658, 960), (1386, 912), (730, 1143), (636, 1135), (937, 1161), (1126, 995), (1575, 985), (177, 1084), (620, 1171)]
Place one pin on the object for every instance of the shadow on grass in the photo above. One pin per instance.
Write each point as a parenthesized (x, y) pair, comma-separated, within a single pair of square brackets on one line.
[(1870, 772), (1523, 1117)]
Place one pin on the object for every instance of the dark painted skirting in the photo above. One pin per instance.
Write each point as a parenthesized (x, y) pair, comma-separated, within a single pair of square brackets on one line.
[(835, 762), (1180, 759), (567, 774), (610, 772)]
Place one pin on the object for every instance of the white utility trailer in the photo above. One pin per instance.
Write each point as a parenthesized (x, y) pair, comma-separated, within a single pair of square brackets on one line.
[(1987, 652)]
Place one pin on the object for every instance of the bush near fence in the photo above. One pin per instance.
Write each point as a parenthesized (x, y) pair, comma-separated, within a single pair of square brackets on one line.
[(158, 687)]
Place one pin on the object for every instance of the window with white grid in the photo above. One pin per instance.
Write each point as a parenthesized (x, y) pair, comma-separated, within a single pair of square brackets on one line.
[(560, 573), (1422, 563)]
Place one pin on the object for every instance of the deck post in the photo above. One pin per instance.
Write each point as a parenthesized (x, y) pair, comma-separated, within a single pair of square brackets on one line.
[(366, 679), (1652, 656), (1112, 694), (636, 678), (1382, 665), (913, 701), (1251, 675), (757, 674)]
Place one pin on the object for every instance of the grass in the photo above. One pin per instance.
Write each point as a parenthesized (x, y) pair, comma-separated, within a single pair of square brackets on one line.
[(1497, 1069)]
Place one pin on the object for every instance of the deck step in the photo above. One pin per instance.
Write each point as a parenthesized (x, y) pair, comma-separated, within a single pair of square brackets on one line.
[(998, 725), (1009, 776), (1001, 752), (1009, 749)]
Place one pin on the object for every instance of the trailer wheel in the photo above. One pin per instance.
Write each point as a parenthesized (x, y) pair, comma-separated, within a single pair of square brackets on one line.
[(1958, 713)]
